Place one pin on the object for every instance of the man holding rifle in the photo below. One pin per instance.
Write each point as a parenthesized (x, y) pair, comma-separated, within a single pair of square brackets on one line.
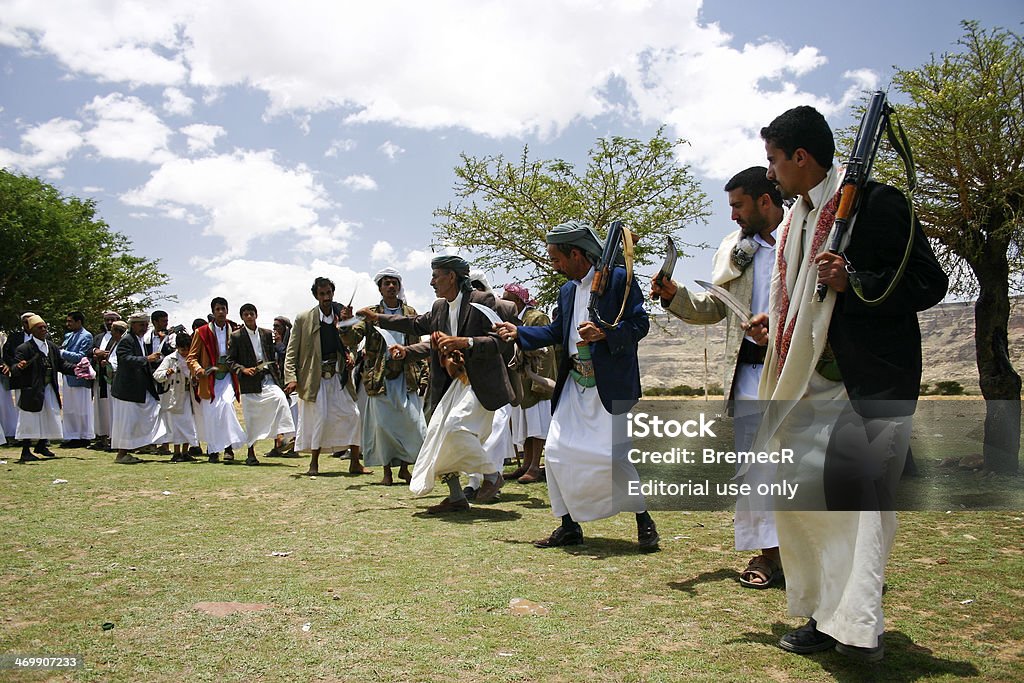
[(586, 480), (857, 354)]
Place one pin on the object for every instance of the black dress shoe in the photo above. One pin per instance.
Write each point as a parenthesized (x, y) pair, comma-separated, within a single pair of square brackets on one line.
[(863, 654), (45, 452), (807, 639), (647, 537), (214, 457), (252, 461), (28, 457), (563, 535)]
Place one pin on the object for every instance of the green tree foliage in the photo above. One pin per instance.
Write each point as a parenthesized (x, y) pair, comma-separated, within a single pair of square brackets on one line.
[(57, 256), (965, 122), (504, 208)]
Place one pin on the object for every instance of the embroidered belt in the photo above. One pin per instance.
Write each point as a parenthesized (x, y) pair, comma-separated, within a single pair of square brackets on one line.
[(582, 371), (329, 367)]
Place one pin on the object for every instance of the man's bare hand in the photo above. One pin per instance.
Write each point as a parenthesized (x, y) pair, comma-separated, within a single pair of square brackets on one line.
[(590, 332), (249, 372), (346, 313), (290, 388), (397, 351), (446, 343), (757, 328), (663, 288), (832, 271), (366, 314), (154, 357), (507, 331)]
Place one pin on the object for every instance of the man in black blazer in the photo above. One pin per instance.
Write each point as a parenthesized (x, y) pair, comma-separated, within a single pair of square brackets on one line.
[(136, 420), (462, 344), (34, 368), (864, 381), (252, 358)]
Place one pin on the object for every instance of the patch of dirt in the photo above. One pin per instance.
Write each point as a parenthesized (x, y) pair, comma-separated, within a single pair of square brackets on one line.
[(223, 609)]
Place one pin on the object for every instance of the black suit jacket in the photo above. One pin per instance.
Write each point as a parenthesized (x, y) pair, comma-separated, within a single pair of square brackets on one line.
[(33, 376), (133, 378), (486, 363), (878, 347), (242, 355)]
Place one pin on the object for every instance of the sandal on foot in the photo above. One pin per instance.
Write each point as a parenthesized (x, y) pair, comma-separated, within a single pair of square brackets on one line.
[(761, 572)]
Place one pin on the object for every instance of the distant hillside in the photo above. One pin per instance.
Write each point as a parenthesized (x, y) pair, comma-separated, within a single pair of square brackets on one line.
[(673, 353)]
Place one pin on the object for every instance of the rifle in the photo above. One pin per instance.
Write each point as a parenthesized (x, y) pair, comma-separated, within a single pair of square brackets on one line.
[(619, 244), (858, 170)]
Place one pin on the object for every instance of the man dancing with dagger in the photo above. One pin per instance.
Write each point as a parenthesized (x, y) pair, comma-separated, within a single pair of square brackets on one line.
[(741, 274)]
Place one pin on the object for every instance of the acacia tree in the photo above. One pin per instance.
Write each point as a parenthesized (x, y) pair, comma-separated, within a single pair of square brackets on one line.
[(57, 256), (504, 208), (965, 122)]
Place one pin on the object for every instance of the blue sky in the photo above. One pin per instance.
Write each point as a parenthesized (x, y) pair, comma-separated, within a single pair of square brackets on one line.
[(253, 146)]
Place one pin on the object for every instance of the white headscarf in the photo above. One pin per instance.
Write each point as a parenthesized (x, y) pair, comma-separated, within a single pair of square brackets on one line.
[(478, 276), (390, 272)]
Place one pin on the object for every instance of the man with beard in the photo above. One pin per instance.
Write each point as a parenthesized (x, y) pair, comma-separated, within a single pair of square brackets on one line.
[(11, 383), (36, 364), (136, 411), (218, 388), (393, 425), (318, 369), (743, 266), (468, 382), (586, 479)]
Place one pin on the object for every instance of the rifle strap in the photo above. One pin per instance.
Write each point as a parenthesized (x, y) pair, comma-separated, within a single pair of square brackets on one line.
[(627, 254), (901, 146)]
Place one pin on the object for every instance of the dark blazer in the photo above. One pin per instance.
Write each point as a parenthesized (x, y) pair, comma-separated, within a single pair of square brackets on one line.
[(14, 340), (486, 363), (241, 355), (616, 367), (32, 378), (878, 348), (133, 378)]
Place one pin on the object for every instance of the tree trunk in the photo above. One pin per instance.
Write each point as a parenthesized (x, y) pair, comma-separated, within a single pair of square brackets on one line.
[(1000, 384)]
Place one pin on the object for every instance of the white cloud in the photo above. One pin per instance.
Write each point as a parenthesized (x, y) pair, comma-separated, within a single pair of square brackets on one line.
[(92, 189), (241, 196), (177, 102), (46, 145), (202, 136), (325, 240), (127, 128), (390, 149), (126, 41), (360, 182), (382, 252), (338, 146), (281, 289)]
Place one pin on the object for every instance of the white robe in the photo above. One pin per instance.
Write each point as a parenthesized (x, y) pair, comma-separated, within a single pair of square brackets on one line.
[(331, 422), (45, 424), (135, 425), (499, 445), (8, 413), (458, 429), (267, 413), (78, 417)]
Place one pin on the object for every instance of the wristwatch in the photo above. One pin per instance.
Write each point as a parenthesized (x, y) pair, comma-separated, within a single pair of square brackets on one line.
[(469, 342)]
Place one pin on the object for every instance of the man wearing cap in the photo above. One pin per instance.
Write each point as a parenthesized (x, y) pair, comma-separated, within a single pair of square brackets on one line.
[(586, 479), (468, 381), (393, 425), (318, 368), (264, 405), (218, 388), (78, 415), (36, 364), (136, 420), (538, 371), (102, 346)]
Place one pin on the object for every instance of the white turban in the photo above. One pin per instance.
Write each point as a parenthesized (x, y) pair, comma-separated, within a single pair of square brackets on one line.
[(390, 272), (478, 276)]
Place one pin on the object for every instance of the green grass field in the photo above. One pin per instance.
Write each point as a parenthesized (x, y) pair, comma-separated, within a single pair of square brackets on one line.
[(390, 594)]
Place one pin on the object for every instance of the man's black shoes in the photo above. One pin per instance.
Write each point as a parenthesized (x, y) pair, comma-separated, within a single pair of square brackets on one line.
[(807, 639), (563, 535), (647, 536)]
